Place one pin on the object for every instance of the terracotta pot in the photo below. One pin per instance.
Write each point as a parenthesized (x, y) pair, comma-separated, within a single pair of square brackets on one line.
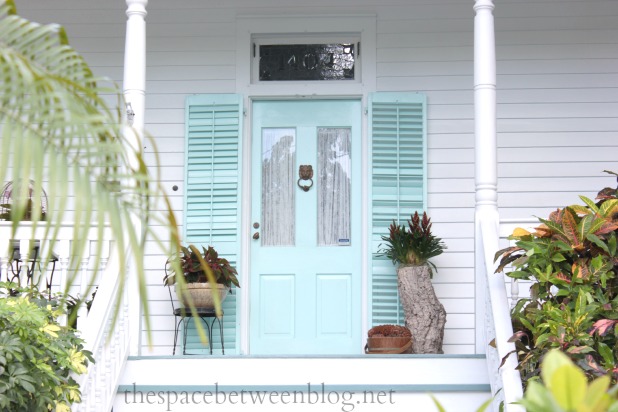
[(388, 345), (201, 294)]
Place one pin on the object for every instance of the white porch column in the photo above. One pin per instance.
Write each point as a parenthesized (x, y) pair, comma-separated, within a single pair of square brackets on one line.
[(505, 381), (134, 88), (485, 107), (134, 82), (486, 173)]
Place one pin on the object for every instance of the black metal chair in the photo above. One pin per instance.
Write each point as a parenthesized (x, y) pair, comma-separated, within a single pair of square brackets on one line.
[(184, 315)]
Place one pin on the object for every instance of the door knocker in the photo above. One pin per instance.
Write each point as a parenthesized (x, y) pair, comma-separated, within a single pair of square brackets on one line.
[(305, 172)]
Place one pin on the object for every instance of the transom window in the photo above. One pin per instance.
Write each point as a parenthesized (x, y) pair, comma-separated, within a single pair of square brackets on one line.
[(306, 58)]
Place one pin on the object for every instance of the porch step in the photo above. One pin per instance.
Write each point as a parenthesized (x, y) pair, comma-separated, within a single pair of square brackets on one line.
[(326, 383)]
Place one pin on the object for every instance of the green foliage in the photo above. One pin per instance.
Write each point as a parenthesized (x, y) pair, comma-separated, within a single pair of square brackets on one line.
[(412, 245), (572, 260), (566, 389), (28, 214), (58, 130), (481, 408), (37, 354), (196, 265)]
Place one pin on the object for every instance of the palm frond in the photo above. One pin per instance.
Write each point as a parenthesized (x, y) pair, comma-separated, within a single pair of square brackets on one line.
[(57, 130)]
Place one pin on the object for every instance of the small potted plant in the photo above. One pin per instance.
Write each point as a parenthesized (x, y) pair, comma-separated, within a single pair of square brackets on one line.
[(388, 339), (196, 280), (411, 247)]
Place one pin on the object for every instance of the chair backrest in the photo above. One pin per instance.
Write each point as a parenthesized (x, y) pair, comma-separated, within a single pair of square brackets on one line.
[(169, 289)]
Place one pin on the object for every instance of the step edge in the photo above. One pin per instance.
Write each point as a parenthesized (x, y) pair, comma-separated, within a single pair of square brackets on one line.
[(464, 387), (305, 357)]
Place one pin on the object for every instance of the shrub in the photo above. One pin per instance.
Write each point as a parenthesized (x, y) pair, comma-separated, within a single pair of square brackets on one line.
[(37, 354), (572, 260), (565, 389)]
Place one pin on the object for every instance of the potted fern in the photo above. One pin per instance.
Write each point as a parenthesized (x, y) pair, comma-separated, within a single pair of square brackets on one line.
[(196, 279), (411, 247)]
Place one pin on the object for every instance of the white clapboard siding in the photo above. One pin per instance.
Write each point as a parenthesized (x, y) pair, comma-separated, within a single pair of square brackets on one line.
[(557, 96)]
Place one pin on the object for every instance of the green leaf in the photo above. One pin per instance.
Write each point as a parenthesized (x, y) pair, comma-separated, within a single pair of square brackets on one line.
[(611, 243), (570, 227), (584, 225), (27, 386), (596, 396), (552, 362), (590, 203), (579, 349), (437, 403), (607, 354), (484, 405), (608, 207), (568, 386), (554, 227), (597, 241), (537, 398), (542, 339)]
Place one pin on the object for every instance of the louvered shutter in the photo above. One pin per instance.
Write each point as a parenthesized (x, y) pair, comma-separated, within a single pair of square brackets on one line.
[(398, 187), (212, 192)]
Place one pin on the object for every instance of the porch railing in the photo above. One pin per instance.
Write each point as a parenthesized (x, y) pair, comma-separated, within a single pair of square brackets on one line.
[(505, 380), (29, 250), (107, 337), (104, 329)]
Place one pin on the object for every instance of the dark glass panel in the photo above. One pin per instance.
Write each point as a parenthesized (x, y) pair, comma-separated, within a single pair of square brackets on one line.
[(307, 62)]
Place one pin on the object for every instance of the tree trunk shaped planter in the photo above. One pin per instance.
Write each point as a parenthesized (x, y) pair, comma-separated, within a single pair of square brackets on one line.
[(425, 315)]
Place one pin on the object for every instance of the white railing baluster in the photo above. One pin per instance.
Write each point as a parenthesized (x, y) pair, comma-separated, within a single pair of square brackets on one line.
[(24, 252), (62, 248), (84, 284), (4, 254), (514, 292), (104, 258), (507, 226)]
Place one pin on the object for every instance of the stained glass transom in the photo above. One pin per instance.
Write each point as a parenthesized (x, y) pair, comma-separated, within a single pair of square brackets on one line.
[(307, 62)]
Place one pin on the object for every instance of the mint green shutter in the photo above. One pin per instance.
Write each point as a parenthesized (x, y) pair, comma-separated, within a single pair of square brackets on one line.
[(398, 186), (212, 191)]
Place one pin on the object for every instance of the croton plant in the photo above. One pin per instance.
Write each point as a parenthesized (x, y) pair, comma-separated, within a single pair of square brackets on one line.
[(572, 260)]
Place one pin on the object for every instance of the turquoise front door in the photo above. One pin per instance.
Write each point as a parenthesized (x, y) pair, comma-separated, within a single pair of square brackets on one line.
[(306, 227)]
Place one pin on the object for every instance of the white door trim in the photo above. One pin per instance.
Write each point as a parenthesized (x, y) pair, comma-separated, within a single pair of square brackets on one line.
[(248, 26)]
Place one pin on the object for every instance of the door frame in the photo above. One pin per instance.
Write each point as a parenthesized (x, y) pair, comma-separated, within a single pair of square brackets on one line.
[(243, 327)]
